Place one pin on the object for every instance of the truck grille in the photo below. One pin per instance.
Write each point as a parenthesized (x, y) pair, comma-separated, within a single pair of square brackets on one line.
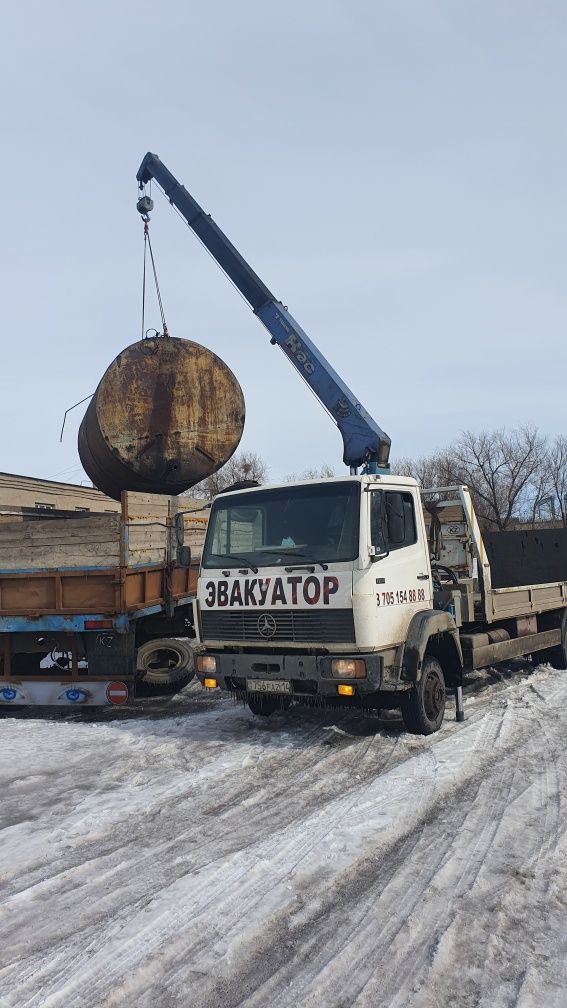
[(298, 625)]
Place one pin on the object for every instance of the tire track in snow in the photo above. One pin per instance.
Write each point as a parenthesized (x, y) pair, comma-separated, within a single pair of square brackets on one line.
[(70, 900), (307, 963), (209, 893), (131, 759), (230, 897), (544, 796), (378, 887)]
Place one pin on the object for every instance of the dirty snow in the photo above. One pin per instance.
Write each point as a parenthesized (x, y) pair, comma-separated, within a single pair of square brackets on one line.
[(190, 854)]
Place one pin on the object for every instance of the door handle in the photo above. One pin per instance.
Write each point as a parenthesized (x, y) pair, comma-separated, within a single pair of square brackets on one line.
[(423, 577)]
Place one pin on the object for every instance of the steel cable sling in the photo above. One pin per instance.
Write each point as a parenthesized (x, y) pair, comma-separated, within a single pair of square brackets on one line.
[(145, 204)]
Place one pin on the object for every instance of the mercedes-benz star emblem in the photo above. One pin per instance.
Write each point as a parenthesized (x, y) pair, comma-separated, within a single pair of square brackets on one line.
[(266, 625)]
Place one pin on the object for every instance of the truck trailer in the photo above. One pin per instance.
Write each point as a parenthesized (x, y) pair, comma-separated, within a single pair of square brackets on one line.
[(96, 609)]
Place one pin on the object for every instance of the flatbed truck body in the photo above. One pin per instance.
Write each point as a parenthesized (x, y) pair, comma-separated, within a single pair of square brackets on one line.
[(365, 592)]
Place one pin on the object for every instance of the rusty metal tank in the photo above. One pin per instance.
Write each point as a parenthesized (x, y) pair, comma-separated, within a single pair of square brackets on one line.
[(166, 414)]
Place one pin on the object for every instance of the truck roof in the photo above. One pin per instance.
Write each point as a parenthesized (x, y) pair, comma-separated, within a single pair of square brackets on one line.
[(389, 479)]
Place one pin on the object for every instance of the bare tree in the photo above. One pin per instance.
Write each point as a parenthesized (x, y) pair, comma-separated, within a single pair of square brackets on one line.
[(429, 471), (556, 466), (500, 469), (245, 465), (316, 472), (508, 473)]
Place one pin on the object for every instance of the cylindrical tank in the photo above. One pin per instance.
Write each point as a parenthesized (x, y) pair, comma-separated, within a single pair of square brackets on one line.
[(166, 414)]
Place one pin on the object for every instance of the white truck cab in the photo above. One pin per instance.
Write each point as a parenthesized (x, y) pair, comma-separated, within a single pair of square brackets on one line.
[(309, 590)]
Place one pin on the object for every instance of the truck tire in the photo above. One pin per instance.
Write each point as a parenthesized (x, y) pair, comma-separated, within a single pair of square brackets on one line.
[(554, 656), (423, 708), (163, 667), (265, 705)]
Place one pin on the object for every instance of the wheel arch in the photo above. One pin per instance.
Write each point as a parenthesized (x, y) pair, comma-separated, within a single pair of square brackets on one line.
[(432, 633)]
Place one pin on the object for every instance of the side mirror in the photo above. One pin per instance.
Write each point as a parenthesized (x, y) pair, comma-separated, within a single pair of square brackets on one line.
[(183, 556)]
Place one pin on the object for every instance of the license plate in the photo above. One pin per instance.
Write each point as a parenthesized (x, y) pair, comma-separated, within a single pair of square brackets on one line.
[(268, 686)]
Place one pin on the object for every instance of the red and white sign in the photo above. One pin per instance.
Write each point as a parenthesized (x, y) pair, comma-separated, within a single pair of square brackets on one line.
[(117, 693), (276, 590)]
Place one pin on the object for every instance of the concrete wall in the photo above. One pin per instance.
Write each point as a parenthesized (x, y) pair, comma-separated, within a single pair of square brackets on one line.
[(29, 492)]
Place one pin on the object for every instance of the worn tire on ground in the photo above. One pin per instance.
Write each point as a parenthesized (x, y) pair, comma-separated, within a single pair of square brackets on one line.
[(423, 707), (163, 667)]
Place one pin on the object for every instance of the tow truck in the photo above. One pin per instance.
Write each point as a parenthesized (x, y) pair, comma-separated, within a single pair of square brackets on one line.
[(361, 590)]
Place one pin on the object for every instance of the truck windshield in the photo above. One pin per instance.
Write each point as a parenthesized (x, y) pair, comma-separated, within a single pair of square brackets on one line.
[(288, 525)]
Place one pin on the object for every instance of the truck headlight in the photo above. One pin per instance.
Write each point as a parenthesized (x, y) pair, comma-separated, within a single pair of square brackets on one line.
[(348, 668), (206, 664)]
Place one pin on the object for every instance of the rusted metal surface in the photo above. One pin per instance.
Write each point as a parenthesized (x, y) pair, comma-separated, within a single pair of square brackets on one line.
[(166, 414), (108, 592)]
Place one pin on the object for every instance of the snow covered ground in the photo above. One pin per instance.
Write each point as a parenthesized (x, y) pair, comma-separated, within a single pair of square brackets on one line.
[(189, 854)]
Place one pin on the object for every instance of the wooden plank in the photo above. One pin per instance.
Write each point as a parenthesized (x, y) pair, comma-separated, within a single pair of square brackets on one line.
[(139, 505), (145, 558), (28, 543), (70, 547), (53, 558), (89, 541), (136, 499), (190, 504), (148, 533), (147, 541), (67, 530)]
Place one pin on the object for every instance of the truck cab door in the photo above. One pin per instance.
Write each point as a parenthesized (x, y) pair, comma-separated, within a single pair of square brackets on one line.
[(399, 571)]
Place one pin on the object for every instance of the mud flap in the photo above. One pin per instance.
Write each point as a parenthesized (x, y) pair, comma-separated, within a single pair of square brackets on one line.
[(111, 654)]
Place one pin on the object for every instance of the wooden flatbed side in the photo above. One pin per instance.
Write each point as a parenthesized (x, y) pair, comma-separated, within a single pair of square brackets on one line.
[(111, 564), (108, 591)]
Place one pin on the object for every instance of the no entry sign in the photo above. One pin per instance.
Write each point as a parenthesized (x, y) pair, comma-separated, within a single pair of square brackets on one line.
[(117, 692)]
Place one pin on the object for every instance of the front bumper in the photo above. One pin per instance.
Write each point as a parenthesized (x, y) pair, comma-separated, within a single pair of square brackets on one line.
[(310, 675)]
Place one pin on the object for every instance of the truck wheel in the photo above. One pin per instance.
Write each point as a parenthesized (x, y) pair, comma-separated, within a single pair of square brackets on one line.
[(148, 689), (266, 705), (424, 706), (554, 656), (163, 667)]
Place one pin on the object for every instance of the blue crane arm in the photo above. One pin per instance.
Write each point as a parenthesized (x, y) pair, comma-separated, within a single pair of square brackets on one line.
[(365, 443)]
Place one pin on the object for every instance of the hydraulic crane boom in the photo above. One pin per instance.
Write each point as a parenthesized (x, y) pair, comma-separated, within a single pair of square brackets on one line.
[(365, 443)]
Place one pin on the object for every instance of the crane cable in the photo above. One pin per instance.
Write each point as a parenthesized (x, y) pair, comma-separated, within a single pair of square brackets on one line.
[(148, 245)]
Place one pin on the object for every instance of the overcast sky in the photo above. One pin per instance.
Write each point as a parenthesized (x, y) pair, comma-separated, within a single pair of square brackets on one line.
[(394, 170)]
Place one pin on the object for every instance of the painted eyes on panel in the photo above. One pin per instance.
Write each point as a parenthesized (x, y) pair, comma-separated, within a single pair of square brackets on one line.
[(11, 694), (75, 695)]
